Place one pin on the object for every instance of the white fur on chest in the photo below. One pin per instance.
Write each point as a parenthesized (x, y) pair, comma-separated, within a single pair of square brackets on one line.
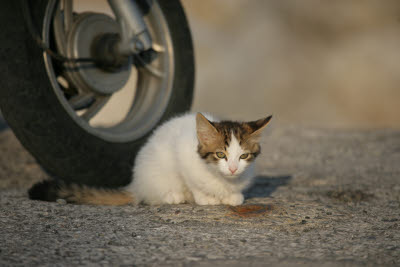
[(168, 169)]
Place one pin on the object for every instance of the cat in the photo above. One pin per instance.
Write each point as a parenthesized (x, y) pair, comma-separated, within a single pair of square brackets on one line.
[(189, 159)]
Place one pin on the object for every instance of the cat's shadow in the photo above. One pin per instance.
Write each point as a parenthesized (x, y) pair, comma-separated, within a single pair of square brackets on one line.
[(264, 186)]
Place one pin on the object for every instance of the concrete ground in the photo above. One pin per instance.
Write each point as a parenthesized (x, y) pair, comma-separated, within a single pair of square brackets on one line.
[(323, 198)]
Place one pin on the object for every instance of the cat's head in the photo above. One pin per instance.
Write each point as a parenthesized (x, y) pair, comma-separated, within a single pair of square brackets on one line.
[(229, 147)]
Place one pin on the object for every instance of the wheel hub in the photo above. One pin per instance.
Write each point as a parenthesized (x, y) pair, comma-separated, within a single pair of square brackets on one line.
[(87, 30)]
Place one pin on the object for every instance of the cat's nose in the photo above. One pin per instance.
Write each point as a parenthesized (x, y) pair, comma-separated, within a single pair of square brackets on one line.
[(233, 169)]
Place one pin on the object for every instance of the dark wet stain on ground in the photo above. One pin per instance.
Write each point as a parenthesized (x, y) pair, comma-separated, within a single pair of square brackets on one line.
[(251, 210)]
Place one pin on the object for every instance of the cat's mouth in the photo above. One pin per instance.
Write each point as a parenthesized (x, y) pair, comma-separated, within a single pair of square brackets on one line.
[(231, 176)]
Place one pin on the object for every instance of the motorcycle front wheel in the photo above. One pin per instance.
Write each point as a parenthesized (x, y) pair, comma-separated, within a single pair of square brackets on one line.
[(66, 115)]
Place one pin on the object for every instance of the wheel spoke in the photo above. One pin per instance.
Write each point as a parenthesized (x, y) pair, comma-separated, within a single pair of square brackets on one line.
[(95, 108), (157, 73), (68, 14), (146, 59), (83, 101), (109, 112), (59, 32), (158, 48), (62, 82)]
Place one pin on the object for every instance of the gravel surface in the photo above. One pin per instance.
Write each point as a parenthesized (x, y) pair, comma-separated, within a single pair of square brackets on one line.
[(323, 198)]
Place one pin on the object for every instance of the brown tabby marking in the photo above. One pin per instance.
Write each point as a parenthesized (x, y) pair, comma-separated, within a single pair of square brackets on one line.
[(216, 136), (93, 196)]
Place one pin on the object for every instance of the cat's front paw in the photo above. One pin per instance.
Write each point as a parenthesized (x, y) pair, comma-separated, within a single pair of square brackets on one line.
[(174, 198), (233, 200), (206, 200)]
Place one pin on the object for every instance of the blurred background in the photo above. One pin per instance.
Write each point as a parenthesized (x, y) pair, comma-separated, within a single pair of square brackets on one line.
[(315, 63), (311, 62)]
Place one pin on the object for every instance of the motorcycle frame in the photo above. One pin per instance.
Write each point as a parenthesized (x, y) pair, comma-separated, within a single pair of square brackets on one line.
[(134, 34)]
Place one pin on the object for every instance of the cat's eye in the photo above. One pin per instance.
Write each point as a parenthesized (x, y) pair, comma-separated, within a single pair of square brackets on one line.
[(244, 156), (220, 155)]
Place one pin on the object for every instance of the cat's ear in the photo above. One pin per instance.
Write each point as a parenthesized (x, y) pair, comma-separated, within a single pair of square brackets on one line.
[(258, 125), (206, 132)]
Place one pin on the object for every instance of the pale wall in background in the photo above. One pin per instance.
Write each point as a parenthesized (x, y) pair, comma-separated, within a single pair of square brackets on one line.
[(321, 63)]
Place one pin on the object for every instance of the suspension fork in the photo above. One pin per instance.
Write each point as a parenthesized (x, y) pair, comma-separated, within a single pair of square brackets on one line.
[(134, 34)]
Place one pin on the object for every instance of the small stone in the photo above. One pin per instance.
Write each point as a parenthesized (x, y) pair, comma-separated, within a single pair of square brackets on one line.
[(192, 258), (96, 257), (61, 201)]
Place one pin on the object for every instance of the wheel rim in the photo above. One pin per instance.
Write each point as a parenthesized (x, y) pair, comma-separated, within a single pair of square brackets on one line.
[(149, 87)]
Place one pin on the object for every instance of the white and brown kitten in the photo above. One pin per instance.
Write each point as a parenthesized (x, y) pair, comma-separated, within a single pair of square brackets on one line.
[(188, 159)]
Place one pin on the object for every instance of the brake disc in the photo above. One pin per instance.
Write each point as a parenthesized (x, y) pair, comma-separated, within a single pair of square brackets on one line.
[(86, 76)]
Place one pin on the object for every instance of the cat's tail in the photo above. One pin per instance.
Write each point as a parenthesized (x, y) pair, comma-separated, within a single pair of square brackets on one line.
[(51, 190)]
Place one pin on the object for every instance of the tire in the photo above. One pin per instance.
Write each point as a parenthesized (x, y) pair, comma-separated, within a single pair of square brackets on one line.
[(32, 109)]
